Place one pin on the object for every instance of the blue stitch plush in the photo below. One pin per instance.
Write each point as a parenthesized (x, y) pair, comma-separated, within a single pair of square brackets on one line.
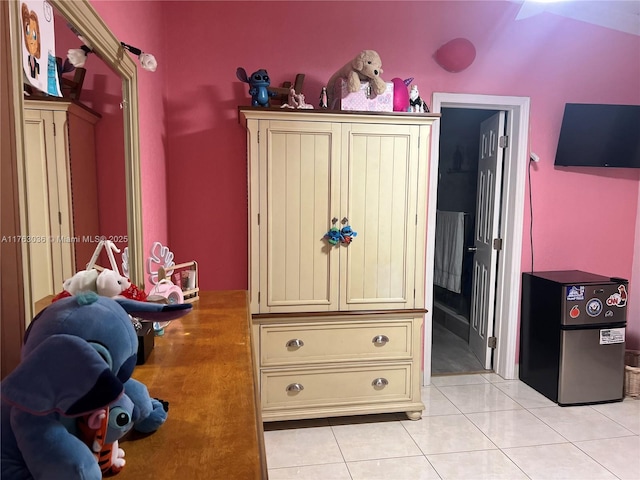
[(78, 357), (258, 86), (333, 236)]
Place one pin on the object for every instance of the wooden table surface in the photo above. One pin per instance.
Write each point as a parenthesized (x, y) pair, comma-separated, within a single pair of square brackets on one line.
[(203, 366)]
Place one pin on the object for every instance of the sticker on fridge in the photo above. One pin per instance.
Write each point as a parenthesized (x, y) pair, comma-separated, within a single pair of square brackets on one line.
[(594, 307), (618, 299), (610, 336), (575, 292)]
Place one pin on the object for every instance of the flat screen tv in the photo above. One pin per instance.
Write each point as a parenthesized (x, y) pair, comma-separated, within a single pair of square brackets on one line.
[(599, 136)]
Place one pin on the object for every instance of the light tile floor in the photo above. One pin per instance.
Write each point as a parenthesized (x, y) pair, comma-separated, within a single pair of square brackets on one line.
[(473, 427)]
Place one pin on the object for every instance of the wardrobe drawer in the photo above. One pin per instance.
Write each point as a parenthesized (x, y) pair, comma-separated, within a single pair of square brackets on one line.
[(339, 386), (293, 344)]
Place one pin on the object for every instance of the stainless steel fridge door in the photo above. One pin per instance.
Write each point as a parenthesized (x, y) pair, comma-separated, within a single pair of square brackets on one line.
[(590, 304), (591, 365)]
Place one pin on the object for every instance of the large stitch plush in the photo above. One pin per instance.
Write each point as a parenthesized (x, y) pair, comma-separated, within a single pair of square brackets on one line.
[(77, 358)]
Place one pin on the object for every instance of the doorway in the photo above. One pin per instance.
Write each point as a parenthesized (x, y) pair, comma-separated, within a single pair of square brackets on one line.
[(511, 210), (455, 245)]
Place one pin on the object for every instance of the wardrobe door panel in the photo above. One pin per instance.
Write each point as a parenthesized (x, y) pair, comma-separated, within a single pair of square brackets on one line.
[(44, 255), (379, 198), (298, 269)]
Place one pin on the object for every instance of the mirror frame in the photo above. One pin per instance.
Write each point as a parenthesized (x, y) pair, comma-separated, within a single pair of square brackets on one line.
[(82, 15)]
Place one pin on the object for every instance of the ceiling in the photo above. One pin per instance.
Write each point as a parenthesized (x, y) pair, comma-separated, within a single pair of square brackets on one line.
[(621, 15)]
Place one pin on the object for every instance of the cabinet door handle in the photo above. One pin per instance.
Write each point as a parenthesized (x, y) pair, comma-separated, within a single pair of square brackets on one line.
[(294, 387), (380, 382), (295, 343), (380, 339)]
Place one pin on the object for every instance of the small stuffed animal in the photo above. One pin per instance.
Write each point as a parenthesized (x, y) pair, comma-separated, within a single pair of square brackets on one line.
[(111, 284), (107, 283), (77, 358), (333, 236), (258, 83), (82, 281), (366, 66), (416, 104), (347, 234), (101, 431)]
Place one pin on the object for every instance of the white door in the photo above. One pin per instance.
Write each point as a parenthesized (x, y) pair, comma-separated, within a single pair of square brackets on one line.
[(486, 230)]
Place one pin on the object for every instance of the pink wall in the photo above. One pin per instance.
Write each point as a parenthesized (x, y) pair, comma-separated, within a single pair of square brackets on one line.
[(633, 310), (584, 218)]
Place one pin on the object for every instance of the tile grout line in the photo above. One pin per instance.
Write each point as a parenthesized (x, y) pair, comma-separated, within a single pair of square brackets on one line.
[(420, 449), (570, 442), (529, 410), (344, 460)]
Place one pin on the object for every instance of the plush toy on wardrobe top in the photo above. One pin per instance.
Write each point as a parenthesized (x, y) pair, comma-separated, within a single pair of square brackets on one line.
[(258, 83), (416, 104), (77, 358), (366, 66)]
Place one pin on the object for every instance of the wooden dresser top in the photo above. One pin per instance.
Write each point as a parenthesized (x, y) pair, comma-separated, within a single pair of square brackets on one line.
[(203, 366)]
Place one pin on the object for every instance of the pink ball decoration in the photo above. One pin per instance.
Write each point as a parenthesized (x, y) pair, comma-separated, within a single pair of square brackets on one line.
[(400, 95), (455, 55)]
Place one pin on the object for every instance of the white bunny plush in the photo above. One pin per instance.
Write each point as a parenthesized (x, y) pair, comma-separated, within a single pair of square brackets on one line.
[(111, 284), (83, 281)]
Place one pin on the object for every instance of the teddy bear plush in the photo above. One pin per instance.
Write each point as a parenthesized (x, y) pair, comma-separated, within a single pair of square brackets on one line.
[(366, 66), (77, 358)]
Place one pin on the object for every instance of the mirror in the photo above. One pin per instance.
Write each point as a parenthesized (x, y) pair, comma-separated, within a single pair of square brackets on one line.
[(92, 113), (105, 45)]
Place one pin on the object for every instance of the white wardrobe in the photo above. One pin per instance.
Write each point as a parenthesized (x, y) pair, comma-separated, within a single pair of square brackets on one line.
[(337, 327), (62, 195)]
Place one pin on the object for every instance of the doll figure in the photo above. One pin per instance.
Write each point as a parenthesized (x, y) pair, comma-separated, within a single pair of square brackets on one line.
[(323, 98)]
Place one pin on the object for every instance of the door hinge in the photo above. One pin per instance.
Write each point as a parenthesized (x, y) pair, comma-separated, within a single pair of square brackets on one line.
[(503, 141), (59, 218), (258, 219), (54, 129), (258, 297), (258, 136), (493, 342), (497, 244)]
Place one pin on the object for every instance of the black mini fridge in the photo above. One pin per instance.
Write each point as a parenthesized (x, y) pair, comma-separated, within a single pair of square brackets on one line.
[(572, 336)]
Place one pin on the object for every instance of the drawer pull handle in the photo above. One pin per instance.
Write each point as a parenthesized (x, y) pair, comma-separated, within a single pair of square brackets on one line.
[(380, 339), (380, 382), (295, 387), (295, 343)]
